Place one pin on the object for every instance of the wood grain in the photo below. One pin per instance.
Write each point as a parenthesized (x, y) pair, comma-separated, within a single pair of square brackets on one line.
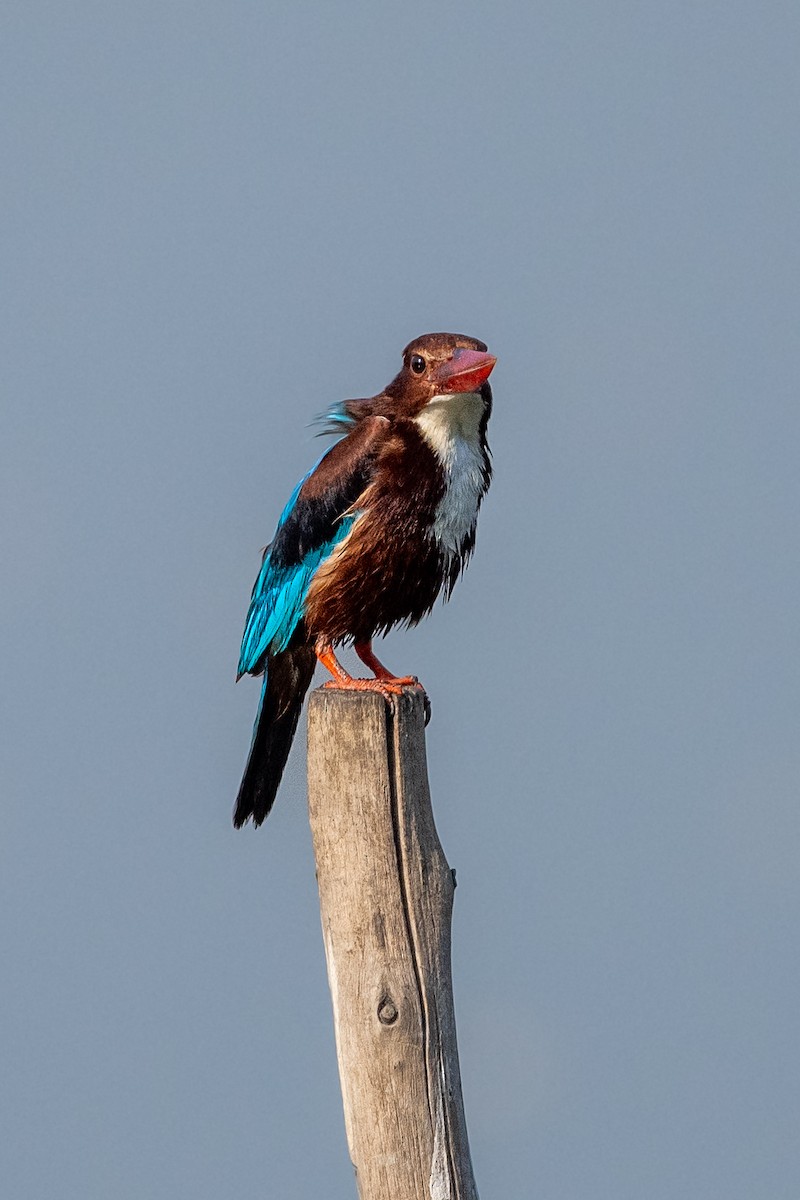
[(386, 898)]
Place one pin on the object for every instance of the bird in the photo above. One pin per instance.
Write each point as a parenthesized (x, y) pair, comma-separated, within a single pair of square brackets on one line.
[(370, 537)]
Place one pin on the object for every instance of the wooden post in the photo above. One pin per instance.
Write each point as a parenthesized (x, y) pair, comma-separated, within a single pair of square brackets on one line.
[(386, 898)]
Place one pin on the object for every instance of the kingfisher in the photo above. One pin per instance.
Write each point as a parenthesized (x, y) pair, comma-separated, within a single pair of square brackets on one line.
[(371, 536)]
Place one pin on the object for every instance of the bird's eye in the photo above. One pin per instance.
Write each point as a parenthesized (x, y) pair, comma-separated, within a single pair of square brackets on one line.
[(417, 364)]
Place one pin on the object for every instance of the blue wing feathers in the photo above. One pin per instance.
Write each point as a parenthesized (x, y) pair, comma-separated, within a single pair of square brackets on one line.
[(276, 606), (290, 503), (274, 610), (314, 521), (335, 420)]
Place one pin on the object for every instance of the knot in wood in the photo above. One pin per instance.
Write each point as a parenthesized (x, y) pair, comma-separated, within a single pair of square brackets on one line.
[(387, 1011)]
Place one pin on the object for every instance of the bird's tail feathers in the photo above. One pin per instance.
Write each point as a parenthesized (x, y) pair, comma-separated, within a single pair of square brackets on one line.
[(287, 678)]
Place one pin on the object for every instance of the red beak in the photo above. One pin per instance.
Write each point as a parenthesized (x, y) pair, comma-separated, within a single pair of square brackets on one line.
[(465, 371)]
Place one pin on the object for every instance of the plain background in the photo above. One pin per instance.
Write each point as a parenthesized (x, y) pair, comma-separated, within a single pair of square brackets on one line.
[(219, 218)]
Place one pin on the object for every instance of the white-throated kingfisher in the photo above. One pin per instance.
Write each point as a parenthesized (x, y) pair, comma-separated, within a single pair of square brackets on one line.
[(382, 525)]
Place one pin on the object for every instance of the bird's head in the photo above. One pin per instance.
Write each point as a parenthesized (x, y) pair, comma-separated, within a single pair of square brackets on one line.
[(437, 365)]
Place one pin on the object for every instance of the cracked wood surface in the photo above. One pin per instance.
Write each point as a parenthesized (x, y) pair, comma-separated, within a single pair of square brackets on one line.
[(386, 898)]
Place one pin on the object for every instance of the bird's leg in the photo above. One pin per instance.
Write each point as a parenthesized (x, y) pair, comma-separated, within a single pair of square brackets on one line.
[(383, 674), (341, 679), (364, 652)]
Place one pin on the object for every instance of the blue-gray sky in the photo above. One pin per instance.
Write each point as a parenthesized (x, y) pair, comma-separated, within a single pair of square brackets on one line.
[(217, 220)]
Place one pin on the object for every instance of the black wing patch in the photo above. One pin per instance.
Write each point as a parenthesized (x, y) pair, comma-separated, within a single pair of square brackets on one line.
[(328, 492)]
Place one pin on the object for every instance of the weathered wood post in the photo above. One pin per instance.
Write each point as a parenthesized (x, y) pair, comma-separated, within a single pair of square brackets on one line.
[(386, 897)]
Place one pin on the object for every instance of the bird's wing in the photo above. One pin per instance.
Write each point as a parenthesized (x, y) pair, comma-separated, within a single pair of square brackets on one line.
[(314, 521)]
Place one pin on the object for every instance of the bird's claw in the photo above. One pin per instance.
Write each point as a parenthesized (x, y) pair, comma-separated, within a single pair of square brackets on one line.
[(387, 688)]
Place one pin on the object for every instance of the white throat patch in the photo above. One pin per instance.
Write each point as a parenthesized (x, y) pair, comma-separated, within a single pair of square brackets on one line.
[(450, 424)]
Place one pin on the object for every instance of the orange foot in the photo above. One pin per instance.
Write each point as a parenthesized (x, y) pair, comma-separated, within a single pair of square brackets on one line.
[(364, 652), (385, 683), (386, 687)]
